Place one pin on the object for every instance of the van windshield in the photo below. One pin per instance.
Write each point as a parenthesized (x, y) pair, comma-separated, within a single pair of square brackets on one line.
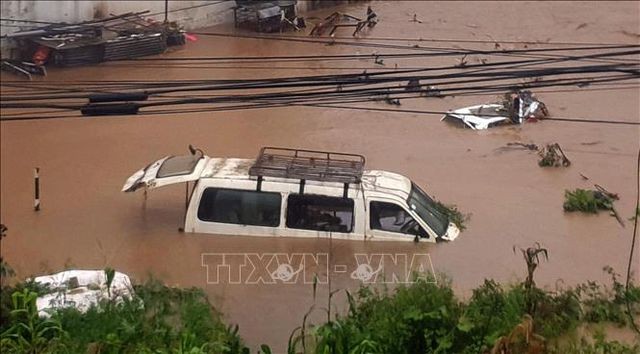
[(427, 210)]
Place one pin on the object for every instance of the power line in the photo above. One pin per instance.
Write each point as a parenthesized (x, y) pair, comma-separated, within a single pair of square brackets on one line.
[(485, 66), (561, 119), (385, 39), (389, 91), (187, 8), (458, 40), (325, 105), (361, 78), (403, 97), (450, 51)]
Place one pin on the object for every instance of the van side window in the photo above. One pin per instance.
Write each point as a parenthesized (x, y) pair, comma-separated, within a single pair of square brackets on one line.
[(393, 218), (241, 207), (321, 213)]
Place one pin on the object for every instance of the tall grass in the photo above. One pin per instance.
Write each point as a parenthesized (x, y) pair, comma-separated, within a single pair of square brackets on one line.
[(158, 319), (420, 317), (425, 317)]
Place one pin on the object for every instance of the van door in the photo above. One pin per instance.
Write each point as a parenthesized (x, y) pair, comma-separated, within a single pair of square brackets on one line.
[(168, 170), (388, 220)]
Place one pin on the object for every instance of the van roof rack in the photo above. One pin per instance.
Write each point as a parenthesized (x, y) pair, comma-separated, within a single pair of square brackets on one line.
[(308, 165)]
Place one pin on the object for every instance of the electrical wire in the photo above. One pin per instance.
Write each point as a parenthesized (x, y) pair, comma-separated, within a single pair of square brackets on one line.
[(487, 66), (186, 8), (455, 40), (393, 39), (389, 91), (348, 79), (325, 105), (450, 51), (403, 97)]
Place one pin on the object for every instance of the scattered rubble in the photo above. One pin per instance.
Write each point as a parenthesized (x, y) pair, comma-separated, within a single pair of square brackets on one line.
[(337, 20), (610, 195), (433, 91), (23, 68), (532, 147), (413, 86), (267, 16), (552, 156), (515, 108), (415, 19), (117, 37), (523, 105)]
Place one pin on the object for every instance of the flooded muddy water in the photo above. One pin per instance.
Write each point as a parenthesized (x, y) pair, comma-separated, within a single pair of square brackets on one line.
[(86, 222)]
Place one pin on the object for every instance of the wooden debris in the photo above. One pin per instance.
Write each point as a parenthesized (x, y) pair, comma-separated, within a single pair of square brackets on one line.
[(553, 156), (532, 147)]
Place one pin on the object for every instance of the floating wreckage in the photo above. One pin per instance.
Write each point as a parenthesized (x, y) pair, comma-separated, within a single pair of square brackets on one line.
[(515, 108), (81, 289), (552, 156), (267, 16), (23, 68), (337, 20), (118, 37)]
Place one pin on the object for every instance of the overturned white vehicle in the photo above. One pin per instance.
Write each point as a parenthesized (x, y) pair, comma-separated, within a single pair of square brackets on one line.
[(298, 193), (516, 108), (80, 289)]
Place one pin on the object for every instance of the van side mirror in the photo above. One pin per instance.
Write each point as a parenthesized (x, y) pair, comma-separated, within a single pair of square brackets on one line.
[(418, 231), (193, 150)]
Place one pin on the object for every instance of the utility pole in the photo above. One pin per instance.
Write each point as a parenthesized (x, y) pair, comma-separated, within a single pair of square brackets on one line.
[(166, 11)]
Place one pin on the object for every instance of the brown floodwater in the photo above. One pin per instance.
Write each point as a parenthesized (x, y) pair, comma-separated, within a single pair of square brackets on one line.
[(86, 222)]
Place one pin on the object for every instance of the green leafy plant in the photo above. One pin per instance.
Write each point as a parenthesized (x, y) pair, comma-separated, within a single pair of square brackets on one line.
[(109, 274), (5, 269), (29, 333), (587, 201), (453, 214), (157, 319), (597, 344), (604, 304), (426, 317)]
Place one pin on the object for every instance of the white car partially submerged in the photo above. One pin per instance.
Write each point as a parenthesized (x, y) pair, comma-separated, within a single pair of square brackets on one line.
[(516, 109), (298, 193), (80, 289)]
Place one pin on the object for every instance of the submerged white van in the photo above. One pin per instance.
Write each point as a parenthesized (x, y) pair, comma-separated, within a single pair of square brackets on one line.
[(297, 193)]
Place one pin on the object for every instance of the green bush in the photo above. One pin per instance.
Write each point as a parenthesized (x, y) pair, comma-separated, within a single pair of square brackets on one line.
[(453, 214), (587, 201), (158, 319), (420, 317), (28, 333), (424, 317)]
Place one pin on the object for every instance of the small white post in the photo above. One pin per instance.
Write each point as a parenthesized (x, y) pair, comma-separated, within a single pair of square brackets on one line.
[(36, 180)]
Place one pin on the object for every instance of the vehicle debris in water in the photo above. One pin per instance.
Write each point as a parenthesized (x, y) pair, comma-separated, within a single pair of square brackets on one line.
[(515, 108)]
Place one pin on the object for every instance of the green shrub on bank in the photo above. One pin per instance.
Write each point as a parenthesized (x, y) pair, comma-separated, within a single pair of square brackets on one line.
[(158, 319), (421, 317), (424, 317)]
